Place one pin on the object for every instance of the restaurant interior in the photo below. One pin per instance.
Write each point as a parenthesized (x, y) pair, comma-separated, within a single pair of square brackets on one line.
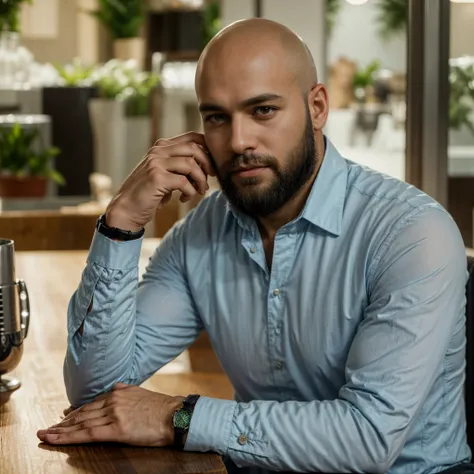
[(86, 88)]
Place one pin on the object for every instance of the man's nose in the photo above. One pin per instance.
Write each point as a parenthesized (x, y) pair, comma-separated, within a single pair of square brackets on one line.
[(243, 136)]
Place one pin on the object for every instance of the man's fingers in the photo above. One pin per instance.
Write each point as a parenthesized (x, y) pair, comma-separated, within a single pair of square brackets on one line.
[(183, 138), (120, 386), (103, 433), (97, 404), (181, 183), (190, 149), (187, 166), (86, 424), (68, 410), (81, 417)]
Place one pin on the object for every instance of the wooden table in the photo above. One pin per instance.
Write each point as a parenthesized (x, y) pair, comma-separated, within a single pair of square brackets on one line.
[(51, 278)]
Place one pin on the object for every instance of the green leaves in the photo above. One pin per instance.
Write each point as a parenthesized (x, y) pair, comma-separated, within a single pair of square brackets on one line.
[(365, 77), (122, 18), (18, 155), (393, 17), (332, 9), (461, 106), (211, 21), (10, 14), (75, 74), (122, 80)]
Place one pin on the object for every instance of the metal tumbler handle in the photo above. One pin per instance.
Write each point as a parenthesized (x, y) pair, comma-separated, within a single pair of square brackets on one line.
[(24, 307)]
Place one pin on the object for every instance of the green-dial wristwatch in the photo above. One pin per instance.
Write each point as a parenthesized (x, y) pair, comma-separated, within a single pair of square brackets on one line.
[(182, 420)]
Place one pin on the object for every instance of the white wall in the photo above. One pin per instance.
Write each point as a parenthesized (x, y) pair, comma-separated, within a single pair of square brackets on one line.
[(232, 10), (355, 35), (306, 21), (462, 29)]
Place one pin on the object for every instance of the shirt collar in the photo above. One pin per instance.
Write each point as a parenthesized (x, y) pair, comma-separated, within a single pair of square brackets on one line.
[(325, 204)]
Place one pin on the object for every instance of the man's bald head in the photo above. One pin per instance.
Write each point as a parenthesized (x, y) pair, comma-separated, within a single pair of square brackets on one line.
[(254, 39)]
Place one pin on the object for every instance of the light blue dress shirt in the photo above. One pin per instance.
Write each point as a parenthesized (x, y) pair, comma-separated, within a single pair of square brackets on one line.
[(346, 356)]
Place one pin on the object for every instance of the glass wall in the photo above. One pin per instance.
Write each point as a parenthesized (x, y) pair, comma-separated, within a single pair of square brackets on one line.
[(461, 118), (366, 56)]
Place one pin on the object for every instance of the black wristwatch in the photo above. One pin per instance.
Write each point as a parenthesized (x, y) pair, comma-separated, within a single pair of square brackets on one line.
[(182, 420), (115, 233)]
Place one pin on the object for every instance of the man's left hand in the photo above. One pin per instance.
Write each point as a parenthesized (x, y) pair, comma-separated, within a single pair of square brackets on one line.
[(128, 414)]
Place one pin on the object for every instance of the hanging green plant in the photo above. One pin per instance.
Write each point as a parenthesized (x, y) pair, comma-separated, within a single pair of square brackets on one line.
[(332, 10), (393, 17), (211, 21)]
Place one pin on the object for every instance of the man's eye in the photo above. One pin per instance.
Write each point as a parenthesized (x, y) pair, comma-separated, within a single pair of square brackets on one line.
[(215, 118), (265, 110)]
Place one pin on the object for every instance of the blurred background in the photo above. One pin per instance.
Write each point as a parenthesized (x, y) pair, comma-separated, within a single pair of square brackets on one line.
[(87, 86)]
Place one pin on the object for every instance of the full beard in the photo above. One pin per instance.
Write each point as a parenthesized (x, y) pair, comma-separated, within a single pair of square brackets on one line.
[(262, 201)]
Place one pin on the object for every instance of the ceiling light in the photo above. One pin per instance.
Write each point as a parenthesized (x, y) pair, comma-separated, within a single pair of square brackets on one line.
[(356, 2)]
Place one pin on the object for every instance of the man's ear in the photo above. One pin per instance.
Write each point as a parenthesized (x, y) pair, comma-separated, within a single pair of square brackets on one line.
[(318, 104)]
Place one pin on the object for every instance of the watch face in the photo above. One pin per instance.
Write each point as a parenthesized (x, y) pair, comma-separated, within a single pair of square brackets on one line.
[(181, 419)]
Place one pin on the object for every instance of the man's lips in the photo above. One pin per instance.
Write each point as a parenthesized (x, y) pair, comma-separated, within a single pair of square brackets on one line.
[(249, 171)]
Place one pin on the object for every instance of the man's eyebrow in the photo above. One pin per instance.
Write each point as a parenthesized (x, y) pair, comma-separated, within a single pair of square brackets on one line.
[(258, 99)]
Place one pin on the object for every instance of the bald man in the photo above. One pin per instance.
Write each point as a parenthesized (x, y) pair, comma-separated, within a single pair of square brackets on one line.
[(333, 295)]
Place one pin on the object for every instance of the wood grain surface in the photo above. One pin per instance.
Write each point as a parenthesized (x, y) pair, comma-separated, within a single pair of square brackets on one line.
[(51, 278)]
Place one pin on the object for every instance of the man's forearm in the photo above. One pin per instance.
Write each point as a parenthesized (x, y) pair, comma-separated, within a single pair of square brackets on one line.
[(332, 436), (101, 321)]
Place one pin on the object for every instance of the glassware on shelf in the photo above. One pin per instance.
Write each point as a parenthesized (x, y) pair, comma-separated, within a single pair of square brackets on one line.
[(15, 61), (9, 43)]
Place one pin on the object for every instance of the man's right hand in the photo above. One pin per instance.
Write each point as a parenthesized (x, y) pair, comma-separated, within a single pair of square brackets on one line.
[(176, 164)]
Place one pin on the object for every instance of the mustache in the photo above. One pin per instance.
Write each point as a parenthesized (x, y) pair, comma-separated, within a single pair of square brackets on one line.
[(248, 160)]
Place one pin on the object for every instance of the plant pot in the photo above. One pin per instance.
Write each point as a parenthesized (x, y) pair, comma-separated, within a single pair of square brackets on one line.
[(120, 142), (28, 187), (109, 134), (72, 134), (137, 144), (130, 48)]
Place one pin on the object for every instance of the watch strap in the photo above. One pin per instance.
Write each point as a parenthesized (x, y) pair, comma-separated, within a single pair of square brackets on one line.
[(115, 233), (179, 433)]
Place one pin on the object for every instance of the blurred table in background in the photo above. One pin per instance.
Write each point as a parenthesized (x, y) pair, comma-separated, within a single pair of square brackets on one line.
[(68, 229)]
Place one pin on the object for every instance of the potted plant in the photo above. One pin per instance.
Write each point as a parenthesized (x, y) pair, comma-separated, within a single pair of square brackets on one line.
[(25, 168), (461, 79), (66, 102), (10, 14), (364, 80), (120, 117), (124, 19)]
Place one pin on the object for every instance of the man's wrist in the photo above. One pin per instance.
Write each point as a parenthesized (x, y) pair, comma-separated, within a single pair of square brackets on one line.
[(176, 404), (116, 216), (182, 419)]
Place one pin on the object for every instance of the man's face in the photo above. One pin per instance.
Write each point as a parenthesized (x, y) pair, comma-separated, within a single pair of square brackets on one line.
[(259, 132)]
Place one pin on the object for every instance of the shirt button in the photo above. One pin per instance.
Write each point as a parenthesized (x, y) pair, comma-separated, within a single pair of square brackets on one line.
[(278, 329), (276, 292), (279, 365), (253, 249), (243, 439)]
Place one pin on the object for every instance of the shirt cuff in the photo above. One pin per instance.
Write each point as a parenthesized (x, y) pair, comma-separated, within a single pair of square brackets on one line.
[(211, 425), (114, 255)]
